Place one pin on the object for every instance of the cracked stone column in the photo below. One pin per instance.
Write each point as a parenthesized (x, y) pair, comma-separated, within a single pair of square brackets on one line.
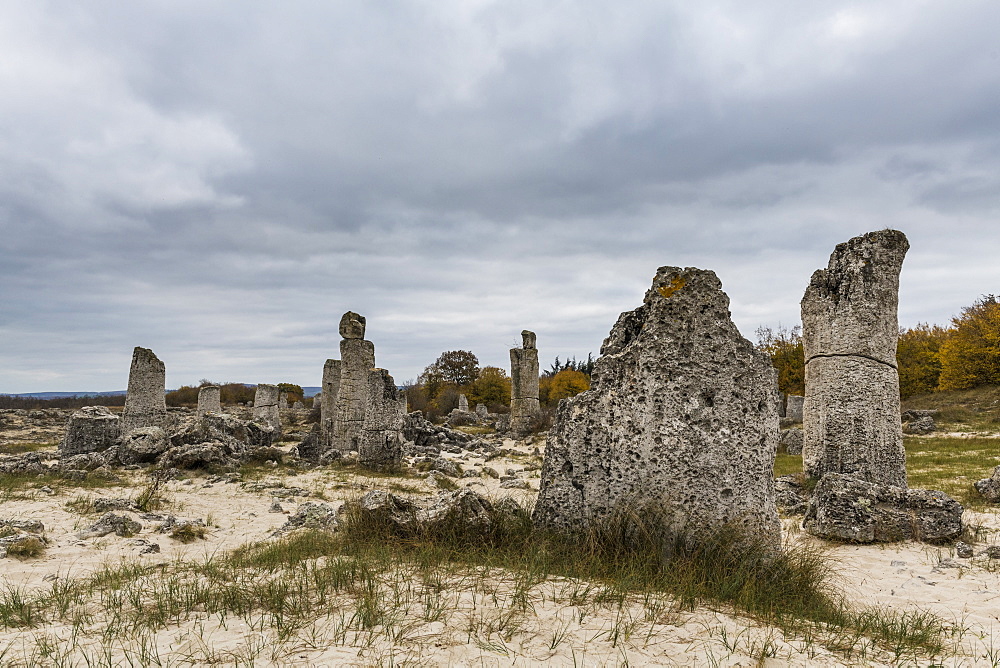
[(328, 398), (265, 406), (680, 423), (145, 402), (524, 406), (209, 400), (357, 358), (463, 403), (381, 438), (851, 419)]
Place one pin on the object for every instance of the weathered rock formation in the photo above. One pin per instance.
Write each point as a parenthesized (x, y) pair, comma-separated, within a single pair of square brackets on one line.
[(989, 488), (283, 401), (524, 406), (681, 420), (209, 399), (143, 445), (463, 403), (851, 510), (328, 398), (90, 429), (146, 402), (357, 358), (381, 443), (849, 330), (791, 441), (481, 411), (793, 407), (265, 406)]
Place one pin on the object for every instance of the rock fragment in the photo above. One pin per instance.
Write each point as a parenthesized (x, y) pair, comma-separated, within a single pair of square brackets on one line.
[(209, 399), (90, 429)]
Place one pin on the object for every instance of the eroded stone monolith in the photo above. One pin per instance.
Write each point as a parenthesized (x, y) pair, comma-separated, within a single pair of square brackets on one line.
[(851, 419), (525, 408), (463, 403), (381, 438), (145, 403), (680, 422), (357, 358), (265, 406), (209, 400)]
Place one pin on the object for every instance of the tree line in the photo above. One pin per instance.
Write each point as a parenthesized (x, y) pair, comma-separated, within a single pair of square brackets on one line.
[(931, 358)]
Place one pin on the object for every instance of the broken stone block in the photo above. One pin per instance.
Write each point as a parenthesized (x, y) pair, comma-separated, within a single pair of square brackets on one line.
[(849, 331), (196, 456), (681, 419), (381, 442), (848, 509), (352, 326), (918, 422), (481, 411), (265, 406), (793, 407), (145, 402), (90, 429), (120, 525), (525, 408), (790, 496), (209, 400)]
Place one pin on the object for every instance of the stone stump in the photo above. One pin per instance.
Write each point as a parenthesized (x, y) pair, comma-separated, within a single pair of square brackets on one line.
[(482, 412), (525, 408), (209, 400), (145, 402), (283, 401), (463, 403), (851, 418), (680, 422), (265, 406), (357, 358), (90, 429), (381, 438)]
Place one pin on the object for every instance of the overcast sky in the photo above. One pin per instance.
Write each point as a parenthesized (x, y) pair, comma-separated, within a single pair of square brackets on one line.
[(220, 181)]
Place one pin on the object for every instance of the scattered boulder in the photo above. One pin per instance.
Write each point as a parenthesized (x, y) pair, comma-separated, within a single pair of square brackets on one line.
[(964, 550), (681, 417), (989, 488), (143, 445), (197, 456), (790, 495), (89, 461), (311, 515), (447, 467), (120, 525), (28, 462), (460, 418), (852, 510), (90, 429), (918, 422)]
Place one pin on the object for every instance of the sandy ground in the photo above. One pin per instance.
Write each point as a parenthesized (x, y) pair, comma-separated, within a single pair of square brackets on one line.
[(551, 628)]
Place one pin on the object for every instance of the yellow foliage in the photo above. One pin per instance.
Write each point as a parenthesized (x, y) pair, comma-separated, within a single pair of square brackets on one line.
[(784, 347), (917, 358), (567, 383), (970, 355), (492, 387)]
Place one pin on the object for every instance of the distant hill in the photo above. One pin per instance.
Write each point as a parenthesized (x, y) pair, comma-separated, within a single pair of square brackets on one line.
[(64, 395)]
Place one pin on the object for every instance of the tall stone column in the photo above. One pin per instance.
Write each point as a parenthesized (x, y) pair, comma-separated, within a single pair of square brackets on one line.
[(209, 400), (851, 421), (145, 402), (357, 358), (381, 439), (524, 406), (679, 426), (265, 406), (328, 398)]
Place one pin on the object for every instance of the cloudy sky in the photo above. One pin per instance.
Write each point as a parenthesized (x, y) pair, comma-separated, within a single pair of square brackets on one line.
[(220, 181)]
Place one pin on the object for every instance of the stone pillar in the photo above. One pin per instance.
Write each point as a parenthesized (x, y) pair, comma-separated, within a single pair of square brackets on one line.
[(381, 439), (524, 406), (209, 399), (90, 429), (463, 403), (145, 403), (851, 419), (357, 358), (328, 401), (283, 401), (265, 406), (793, 407), (680, 423), (482, 411)]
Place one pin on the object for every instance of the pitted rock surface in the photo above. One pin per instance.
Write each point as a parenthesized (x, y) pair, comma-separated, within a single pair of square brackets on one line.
[(381, 443), (90, 429), (848, 509), (328, 398), (143, 445), (681, 417), (989, 488), (352, 326), (145, 402), (357, 358), (851, 417), (525, 408)]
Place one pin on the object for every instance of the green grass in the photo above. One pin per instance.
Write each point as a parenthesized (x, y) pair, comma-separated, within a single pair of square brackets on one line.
[(952, 465), (21, 448), (785, 464), (977, 409), (24, 486)]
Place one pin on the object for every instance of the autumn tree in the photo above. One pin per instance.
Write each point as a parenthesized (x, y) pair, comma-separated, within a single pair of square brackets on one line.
[(970, 354), (459, 367), (917, 356), (566, 383), (294, 391), (492, 388), (784, 347)]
